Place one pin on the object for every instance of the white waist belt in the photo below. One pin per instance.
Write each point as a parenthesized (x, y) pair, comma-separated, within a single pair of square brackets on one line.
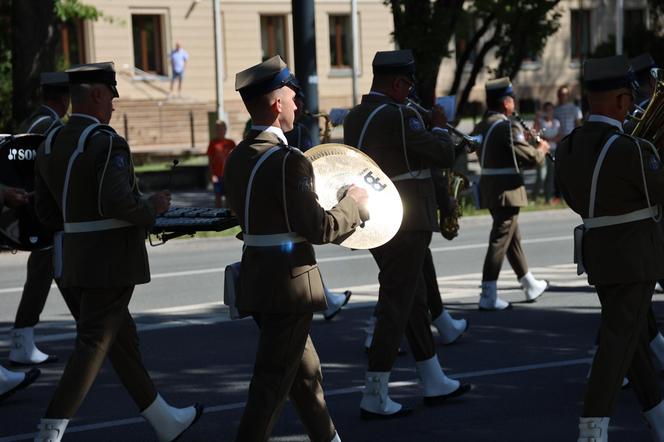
[(500, 171), (612, 220), (275, 239), (423, 174), (96, 226)]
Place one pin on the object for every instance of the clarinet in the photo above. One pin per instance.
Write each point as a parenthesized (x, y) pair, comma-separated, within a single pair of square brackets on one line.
[(535, 138)]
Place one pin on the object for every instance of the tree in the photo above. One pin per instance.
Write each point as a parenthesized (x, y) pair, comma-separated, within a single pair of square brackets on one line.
[(516, 29), (426, 27), (34, 36)]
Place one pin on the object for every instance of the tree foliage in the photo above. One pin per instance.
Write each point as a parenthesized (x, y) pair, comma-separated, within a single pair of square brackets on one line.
[(34, 36), (426, 27), (513, 30)]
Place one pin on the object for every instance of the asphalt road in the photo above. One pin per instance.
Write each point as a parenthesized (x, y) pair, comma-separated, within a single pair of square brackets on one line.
[(528, 365)]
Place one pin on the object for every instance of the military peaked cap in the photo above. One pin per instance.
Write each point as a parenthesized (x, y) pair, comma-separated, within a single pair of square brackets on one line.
[(264, 77), (394, 62), (92, 73), (499, 88), (641, 63), (60, 79), (607, 74)]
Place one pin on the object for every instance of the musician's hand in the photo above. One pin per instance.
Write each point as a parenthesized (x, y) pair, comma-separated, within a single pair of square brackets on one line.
[(361, 197), (15, 197), (215, 179), (161, 201), (438, 118), (544, 146)]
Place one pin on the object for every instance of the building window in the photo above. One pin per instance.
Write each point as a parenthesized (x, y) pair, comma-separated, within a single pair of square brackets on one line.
[(634, 19), (148, 46), (273, 36), (70, 49), (580, 36), (341, 45)]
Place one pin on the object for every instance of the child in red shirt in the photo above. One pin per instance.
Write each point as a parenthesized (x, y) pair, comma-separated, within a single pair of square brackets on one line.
[(218, 150)]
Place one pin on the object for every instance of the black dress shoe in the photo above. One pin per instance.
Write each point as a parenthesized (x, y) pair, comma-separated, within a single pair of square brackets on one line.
[(30, 377), (329, 317), (49, 360), (371, 416), (199, 412), (432, 401)]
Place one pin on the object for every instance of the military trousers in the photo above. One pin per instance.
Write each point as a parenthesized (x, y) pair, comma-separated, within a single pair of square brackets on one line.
[(287, 366), (434, 299), (624, 349), (104, 327), (35, 291), (504, 239), (402, 301)]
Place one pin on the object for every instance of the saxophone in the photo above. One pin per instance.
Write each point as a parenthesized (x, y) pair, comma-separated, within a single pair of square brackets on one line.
[(449, 224)]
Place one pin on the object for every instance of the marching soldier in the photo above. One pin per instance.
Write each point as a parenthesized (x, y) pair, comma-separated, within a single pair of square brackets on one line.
[(396, 138), (86, 189), (12, 381), (270, 188), (55, 96), (615, 182), (299, 137), (503, 152)]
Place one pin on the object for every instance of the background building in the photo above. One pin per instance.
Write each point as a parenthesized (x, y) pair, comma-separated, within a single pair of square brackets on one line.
[(139, 39)]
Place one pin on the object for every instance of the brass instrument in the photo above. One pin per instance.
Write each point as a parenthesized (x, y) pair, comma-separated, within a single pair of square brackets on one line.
[(650, 124), (449, 224), (326, 132), (470, 143)]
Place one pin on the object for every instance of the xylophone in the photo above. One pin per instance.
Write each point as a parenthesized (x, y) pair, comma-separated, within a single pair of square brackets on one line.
[(180, 221)]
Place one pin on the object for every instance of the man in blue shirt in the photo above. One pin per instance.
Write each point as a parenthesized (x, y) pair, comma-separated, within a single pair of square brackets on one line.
[(179, 59)]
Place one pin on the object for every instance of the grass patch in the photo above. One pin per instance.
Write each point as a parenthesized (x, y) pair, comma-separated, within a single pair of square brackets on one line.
[(163, 166)]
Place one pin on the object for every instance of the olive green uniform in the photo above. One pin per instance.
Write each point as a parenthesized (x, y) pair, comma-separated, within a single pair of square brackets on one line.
[(504, 149), (40, 262), (394, 136), (103, 256), (622, 261), (281, 285)]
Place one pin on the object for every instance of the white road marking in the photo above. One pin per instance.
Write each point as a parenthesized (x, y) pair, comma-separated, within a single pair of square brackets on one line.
[(355, 256), (328, 394), (452, 287)]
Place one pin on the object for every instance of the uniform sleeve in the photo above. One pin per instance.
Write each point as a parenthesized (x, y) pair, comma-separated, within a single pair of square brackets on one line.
[(434, 147), (306, 216), (48, 210), (118, 197), (526, 154), (653, 169)]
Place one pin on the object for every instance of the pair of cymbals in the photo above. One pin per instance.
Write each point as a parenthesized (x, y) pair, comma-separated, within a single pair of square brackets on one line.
[(336, 168)]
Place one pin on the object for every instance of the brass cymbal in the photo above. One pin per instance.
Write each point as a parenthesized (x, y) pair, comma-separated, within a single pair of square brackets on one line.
[(336, 167)]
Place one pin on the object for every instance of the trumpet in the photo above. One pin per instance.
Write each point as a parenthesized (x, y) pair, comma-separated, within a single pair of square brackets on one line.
[(470, 143)]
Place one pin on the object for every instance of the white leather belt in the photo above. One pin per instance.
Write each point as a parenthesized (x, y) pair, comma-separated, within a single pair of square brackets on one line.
[(96, 226), (423, 174), (613, 220), (500, 171), (275, 239)]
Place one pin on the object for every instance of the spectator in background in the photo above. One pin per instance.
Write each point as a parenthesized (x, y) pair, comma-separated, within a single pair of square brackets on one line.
[(570, 116), (179, 59), (549, 128), (218, 150)]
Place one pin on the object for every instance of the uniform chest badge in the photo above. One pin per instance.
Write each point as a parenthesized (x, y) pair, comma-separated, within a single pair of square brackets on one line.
[(304, 184), (120, 162), (415, 124)]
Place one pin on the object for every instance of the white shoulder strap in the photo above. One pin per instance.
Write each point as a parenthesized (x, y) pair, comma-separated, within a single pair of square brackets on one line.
[(37, 121), (49, 140), (367, 122), (486, 139), (79, 149), (247, 199), (598, 167)]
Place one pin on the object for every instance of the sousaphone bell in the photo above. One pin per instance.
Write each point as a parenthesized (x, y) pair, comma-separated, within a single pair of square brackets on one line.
[(336, 168)]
